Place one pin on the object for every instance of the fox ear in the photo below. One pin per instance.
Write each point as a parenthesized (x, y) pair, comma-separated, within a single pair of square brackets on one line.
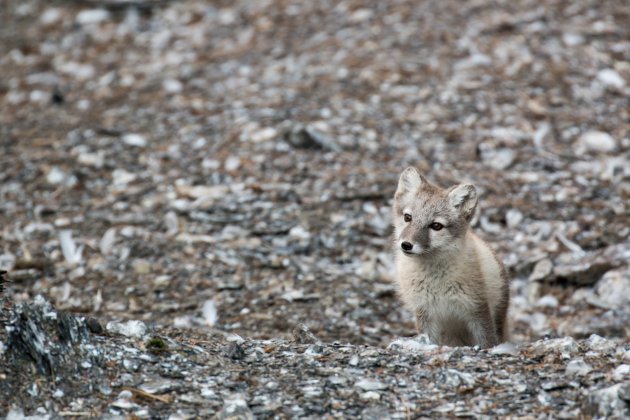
[(410, 179), (464, 198)]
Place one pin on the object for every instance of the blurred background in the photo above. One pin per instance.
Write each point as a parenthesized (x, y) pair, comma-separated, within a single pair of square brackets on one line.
[(230, 165)]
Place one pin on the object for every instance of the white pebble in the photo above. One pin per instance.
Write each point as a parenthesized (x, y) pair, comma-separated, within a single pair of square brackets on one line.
[(611, 78), (264, 134), (232, 163), (547, 301), (55, 176), (50, 16), (120, 177), (513, 217), (133, 139), (107, 241), (209, 312), (596, 141), (133, 328), (370, 385), (70, 251), (87, 17), (172, 86)]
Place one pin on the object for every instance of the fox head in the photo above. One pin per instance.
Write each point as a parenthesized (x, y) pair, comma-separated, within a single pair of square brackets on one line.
[(429, 219)]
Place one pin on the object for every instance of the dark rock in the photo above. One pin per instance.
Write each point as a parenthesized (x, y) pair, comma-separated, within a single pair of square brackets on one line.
[(47, 338), (94, 325), (307, 137), (2, 280), (235, 351)]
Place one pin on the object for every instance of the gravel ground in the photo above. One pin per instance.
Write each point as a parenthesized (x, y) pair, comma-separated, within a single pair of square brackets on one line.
[(225, 169)]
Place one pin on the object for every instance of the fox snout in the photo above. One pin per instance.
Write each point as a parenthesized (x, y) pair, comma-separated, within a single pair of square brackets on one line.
[(411, 248)]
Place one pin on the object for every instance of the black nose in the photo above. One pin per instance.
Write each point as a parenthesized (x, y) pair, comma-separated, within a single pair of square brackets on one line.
[(406, 246)]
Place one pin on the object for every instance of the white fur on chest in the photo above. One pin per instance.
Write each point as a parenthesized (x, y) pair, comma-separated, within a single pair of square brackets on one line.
[(438, 288)]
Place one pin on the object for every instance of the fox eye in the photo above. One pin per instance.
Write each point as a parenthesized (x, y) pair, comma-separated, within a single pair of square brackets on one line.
[(407, 217), (436, 226)]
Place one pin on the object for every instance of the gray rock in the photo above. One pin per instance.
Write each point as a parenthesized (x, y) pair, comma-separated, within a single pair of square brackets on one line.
[(302, 335), (606, 403), (370, 385), (132, 328), (612, 289), (578, 367)]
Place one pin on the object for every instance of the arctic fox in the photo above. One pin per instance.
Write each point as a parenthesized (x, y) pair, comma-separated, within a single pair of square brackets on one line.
[(449, 278)]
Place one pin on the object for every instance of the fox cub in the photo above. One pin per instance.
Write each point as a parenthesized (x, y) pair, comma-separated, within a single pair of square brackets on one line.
[(448, 277)]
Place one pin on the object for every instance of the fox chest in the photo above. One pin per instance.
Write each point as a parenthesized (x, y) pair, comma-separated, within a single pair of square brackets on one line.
[(435, 291)]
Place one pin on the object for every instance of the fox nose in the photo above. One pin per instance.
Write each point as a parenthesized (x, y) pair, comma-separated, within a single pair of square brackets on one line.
[(406, 246)]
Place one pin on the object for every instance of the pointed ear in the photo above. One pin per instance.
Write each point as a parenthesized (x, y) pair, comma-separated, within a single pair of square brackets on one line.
[(464, 198), (410, 180)]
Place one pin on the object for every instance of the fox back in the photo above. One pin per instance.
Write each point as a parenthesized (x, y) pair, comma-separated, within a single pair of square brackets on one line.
[(450, 278)]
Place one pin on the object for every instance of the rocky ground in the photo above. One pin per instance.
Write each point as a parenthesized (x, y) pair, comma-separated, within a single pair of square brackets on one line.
[(223, 172)]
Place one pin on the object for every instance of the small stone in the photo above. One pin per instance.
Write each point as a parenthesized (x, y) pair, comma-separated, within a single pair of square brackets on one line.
[(310, 137), (370, 385), (56, 176), (235, 351), (596, 141), (621, 372), (50, 16), (371, 395), (513, 218), (578, 367), (600, 344), (132, 329), (172, 85), (160, 386), (504, 349), (232, 163), (205, 192), (121, 178), (107, 241), (606, 403), (571, 39), (94, 326), (298, 232), (135, 140), (141, 267), (611, 78), (566, 346), (547, 301), (312, 391), (264, 134), (209, 312), (445, 408), (452, 379), (337, 380), (235, 407), (542, 270), (418, 344), (498, 158), (613, 288), (96, 160), (90, 17), (302, 335), (624, 392)]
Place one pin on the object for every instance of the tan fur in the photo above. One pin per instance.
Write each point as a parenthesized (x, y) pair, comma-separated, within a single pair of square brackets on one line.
[(451, 279)]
